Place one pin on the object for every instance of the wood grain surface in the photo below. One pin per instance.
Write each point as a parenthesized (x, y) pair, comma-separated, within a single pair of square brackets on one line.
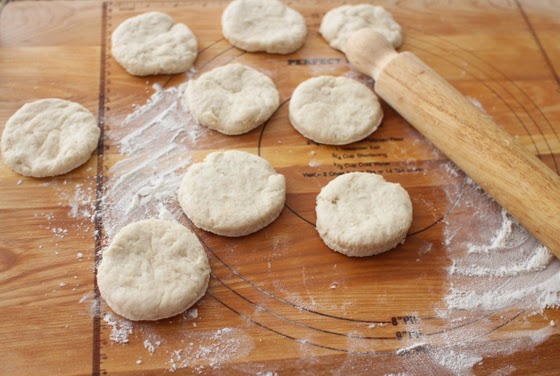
[(279, 301)]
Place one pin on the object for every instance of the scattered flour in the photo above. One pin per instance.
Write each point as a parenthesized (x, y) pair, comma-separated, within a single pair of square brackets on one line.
[(459, 362), (191, 314), (413, 347), (314, 163), (156, 141), (87, 296), (496, 266), (505, 371), (82, 204), (164, 213), (120, 328), (476, 103), (151, 344), (512, 269), (212, 350)]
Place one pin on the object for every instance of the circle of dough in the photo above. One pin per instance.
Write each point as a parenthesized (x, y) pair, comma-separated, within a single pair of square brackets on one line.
[(339, 23), (360, 214), (263, 25), (153, 269), (232, 99), (334, 110), (49, 137), (152, 43), (232, 193)]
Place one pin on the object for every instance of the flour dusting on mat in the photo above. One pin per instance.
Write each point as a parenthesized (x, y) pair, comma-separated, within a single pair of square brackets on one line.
[(457, 361), (151, 344), (155, 141), (120, 328), (497, 270), (211, 349), (510, 269)]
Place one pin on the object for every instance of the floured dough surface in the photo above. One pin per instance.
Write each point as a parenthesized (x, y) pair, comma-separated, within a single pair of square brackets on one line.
[(232, 193), (153, 269), (232, 99), (152, 43), (360, 214), (49, 137), (339, 23), (334, 110), (263, 25)]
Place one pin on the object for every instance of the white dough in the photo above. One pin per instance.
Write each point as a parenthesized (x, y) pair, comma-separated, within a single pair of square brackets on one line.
[(334, 110), (153, 269), (339, 23), (360, 214), (232, 193), (232, 99), (152, 43), (49, 137), (263, 25)]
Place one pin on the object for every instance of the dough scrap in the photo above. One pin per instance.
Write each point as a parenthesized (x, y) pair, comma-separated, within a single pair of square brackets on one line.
[(360, 214), (263, 25), (339, 23), (153, 269), (232, 99), (152, 43), (334, 110), (232, 193), (49, 137)]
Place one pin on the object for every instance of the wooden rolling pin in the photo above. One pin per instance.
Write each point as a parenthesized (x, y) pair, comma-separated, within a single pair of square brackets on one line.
[(515, 178)]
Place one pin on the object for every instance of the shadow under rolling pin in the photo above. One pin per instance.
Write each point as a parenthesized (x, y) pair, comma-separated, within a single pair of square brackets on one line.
[(520, 182)]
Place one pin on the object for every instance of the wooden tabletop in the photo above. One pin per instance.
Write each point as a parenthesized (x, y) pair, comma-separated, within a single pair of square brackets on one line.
[(279, 301)]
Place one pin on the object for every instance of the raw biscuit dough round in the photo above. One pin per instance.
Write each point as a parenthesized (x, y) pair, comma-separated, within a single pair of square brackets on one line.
[(334, 110), (263, 25), (152, 43), (339, 23), (232, 193), (153, 269), (360, 214), (49, 137), (232, 99)]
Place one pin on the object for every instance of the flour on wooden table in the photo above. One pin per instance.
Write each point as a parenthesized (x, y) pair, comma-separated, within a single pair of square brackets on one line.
[(457, 361), (151, 344), (154, 140), (496, 265), (211, 349), (120, 328)]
